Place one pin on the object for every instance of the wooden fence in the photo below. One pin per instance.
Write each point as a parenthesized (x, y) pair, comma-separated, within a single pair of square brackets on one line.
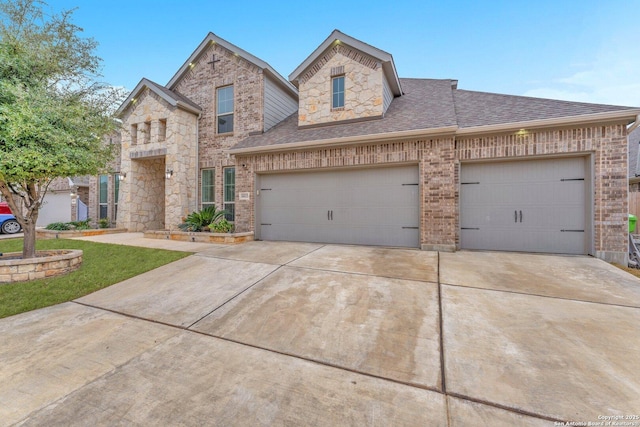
[(634, 203)]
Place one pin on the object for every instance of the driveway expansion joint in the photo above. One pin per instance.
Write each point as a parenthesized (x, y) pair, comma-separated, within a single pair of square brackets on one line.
[(233, 297), (507, 408), (505, 291)]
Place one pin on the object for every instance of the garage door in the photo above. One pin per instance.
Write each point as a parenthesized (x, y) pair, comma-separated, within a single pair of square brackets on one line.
[(531, 206), (55, 208), (359, 206)]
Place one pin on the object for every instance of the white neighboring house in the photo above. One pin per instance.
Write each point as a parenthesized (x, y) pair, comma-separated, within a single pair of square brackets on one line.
[(66, 200)]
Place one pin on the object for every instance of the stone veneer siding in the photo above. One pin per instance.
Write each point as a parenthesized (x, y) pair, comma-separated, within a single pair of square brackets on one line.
[(149, 201), (363, 88), (439, 165), (199, 85)]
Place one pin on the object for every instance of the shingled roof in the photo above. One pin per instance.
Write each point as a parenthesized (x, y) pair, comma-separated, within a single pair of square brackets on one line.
[(426, 104), (432, 106), (483, 108)]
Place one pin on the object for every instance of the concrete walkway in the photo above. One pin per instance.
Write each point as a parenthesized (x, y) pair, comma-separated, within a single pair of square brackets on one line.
[(276, 333)]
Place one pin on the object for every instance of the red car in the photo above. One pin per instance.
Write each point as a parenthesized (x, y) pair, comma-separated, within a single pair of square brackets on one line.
[(4, 208), (8, 223)]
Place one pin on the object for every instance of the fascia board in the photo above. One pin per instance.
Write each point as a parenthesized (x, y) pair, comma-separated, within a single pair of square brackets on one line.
[(624, 115)]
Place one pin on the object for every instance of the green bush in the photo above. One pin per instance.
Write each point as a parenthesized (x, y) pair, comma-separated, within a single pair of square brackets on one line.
[(81, 225), (197, 221), (103, 223), (58, 226), (221, 226)]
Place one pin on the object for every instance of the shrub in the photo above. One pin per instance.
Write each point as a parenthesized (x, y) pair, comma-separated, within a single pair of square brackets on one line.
[(81, 225), (103, 223), (58, 226), (196, 221), (221, 226)]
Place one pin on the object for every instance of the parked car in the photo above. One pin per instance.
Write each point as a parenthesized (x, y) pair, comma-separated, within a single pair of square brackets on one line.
[(8, 222)]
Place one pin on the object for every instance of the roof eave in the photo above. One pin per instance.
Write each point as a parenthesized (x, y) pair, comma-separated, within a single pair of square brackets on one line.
[(132, 95), (337, 37), (151, 86), (349, 140), (627, 116), (210, 39)]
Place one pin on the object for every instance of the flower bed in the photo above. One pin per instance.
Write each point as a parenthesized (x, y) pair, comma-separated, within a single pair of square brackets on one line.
[(46, 264), (202, 237), (42, 233)]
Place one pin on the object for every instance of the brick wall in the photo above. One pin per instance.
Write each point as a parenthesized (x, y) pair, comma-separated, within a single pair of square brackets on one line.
[(439, 161), (436, 171), (200, 85), (608, 146)]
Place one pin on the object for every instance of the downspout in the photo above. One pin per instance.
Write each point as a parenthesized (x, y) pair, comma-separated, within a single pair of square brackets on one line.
[(634, 125), (198, 196)]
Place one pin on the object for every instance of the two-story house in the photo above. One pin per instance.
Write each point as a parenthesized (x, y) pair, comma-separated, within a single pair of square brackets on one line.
[(345, 151)]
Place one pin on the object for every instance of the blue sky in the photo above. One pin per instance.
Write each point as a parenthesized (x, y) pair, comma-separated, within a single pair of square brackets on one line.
[(576, 50)]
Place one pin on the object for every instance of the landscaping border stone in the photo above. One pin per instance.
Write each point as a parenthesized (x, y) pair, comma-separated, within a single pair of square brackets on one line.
[(69, 234), (200, 237), (48, 263)]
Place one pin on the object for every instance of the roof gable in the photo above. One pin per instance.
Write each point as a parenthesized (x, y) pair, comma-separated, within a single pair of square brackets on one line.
[(336, 38), (172, 98), (214, 39)]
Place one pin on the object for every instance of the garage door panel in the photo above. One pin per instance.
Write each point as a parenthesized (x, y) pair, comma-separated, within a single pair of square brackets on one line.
[(359, 206), (533, 206)]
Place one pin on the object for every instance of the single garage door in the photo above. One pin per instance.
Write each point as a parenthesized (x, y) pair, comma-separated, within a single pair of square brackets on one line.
[(530, 206), (358, 206), (55, 208)]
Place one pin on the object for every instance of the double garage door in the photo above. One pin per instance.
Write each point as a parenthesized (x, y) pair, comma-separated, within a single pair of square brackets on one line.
[(377, 206), (531, 206)]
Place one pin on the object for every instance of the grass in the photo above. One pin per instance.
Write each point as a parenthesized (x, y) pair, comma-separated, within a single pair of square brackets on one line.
[(103, 265)]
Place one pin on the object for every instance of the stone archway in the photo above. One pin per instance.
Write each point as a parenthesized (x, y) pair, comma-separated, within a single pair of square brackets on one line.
[(147, 200)]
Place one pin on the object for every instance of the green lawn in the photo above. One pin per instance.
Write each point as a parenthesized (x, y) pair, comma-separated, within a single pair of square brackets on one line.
[(102, 266)]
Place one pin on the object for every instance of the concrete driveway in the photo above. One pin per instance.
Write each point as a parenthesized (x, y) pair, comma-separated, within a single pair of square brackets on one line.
[(274, 333)]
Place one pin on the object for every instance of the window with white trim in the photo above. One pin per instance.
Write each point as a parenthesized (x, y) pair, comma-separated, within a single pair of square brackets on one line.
[(225, 109), (229, 176), (208, 193), (103, 196), (337, 92)]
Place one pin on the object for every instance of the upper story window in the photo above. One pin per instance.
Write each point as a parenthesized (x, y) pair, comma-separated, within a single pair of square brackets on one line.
[(225, 109), (337, 92)]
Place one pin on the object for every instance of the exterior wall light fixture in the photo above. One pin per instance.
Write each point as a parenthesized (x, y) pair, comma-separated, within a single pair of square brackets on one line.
[(123, 176), (168, 174)]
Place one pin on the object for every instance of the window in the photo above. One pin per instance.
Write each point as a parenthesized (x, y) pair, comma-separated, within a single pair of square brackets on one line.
[(225, 109), (104, 185), (116, 193), (337, 85), (230, 193), (208, 189)]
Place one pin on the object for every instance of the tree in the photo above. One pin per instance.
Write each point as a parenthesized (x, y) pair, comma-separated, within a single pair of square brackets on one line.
[(53, 111)]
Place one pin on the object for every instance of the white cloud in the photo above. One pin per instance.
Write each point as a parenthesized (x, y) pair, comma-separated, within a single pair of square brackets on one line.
[(612, 78)]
